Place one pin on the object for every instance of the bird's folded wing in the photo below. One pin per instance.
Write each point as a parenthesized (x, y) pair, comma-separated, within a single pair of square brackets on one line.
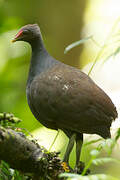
[(67, 97)]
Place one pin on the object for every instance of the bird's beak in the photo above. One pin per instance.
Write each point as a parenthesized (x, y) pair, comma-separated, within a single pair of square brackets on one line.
[(17, 37), (13, 40)]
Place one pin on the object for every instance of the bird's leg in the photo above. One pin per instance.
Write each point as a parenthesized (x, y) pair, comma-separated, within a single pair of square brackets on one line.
[(69, 148), (79, 167), (79, 142)]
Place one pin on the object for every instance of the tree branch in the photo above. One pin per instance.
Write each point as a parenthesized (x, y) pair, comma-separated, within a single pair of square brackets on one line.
[(27, 156)]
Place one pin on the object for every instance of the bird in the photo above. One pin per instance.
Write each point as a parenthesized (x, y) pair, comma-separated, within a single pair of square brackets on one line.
[(63, 97)]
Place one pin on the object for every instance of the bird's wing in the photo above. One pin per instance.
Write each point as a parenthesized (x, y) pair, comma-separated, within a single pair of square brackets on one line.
[(66, 97)]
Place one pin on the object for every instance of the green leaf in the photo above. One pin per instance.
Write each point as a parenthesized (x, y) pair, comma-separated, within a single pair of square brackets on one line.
[(89, 177), (77, 43), (108, 145), (116, 51), (118, 134), (69, 175), (94, 153), (100, 161), (92, 142), (113, 54)]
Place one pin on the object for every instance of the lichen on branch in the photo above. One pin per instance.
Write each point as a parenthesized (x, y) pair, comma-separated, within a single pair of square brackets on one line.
[(28, 156)]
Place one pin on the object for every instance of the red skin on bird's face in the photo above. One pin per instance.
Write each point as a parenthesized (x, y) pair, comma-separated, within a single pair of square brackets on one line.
[(19, 34)]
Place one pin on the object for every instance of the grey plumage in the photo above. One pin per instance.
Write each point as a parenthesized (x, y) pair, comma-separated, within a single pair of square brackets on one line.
[(63, 97)]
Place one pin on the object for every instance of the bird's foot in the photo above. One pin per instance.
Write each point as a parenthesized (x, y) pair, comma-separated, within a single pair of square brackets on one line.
[(80, 167), (67, 168)]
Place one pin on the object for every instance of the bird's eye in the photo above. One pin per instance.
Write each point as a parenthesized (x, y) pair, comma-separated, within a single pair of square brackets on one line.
[(25, 32)]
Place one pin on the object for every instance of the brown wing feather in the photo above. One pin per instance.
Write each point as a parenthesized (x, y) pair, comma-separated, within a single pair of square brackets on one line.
[(65, 97)]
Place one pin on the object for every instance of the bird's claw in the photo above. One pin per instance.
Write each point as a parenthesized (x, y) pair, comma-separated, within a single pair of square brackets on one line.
[(80, 167)]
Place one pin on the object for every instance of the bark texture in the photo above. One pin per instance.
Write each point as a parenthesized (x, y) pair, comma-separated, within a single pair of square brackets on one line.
[(27, 156)]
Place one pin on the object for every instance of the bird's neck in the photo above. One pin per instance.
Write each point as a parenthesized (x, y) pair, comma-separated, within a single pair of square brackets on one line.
[(38, 60)]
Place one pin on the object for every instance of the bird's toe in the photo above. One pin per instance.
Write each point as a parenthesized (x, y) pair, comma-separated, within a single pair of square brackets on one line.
[(80, 167)]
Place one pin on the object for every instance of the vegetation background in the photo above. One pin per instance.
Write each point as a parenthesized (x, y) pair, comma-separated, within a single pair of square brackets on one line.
[(61, 23)]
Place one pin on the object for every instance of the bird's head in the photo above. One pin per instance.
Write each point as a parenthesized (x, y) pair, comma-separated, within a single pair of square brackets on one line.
[(28, 33)]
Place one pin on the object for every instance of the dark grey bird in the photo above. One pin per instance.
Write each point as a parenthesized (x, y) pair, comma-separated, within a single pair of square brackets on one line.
[(63, 97)]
